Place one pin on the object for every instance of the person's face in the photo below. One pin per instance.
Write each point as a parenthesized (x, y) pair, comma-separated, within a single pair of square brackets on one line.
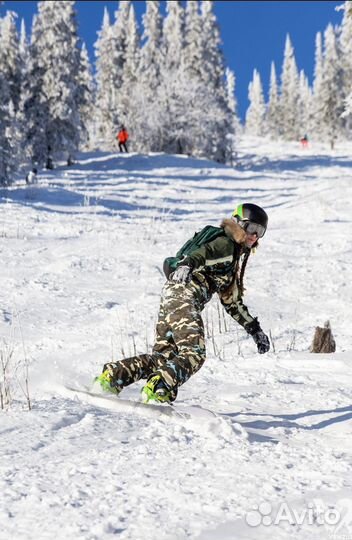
[(250, 239)]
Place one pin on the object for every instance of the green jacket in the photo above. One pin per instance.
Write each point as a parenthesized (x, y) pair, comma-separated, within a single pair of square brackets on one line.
[(216, 267)]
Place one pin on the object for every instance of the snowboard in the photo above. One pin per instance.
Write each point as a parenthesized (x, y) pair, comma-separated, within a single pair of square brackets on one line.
[(194, 416), (119, 404)]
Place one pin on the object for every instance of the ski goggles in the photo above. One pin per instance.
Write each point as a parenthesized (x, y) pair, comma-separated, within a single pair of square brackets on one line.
[(252, 228)]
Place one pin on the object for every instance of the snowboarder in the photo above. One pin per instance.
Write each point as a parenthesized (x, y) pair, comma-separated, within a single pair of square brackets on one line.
[(31, 177), (217, 266), (122, 137)]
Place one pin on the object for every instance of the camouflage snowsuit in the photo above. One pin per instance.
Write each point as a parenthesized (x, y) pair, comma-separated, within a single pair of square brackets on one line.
[(179, 349)]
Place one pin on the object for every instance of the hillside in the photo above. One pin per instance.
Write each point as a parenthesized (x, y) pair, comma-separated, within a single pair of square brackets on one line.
[(81, 276)]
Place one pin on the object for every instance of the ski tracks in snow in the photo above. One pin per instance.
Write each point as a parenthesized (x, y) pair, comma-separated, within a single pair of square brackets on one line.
[(81, 265)]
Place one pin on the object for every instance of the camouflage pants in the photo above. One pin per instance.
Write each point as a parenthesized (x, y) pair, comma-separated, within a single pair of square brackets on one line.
[(179, 349)]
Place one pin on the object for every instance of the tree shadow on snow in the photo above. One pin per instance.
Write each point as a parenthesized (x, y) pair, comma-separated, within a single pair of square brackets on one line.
[(291, 163), (58, 200), (134, 161), (289, 421)]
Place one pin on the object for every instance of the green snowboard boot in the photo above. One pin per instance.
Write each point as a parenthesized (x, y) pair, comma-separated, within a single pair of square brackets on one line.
[(156, 390), (104, 383)]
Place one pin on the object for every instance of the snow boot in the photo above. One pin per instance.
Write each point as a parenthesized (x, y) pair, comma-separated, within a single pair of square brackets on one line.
[(156, 390), (104, 383)]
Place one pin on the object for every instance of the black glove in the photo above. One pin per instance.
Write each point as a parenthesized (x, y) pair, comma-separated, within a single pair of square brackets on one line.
[(262, 341), (182, 274)]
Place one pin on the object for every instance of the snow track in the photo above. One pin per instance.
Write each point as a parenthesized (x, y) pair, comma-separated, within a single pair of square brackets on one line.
[(81, 275)]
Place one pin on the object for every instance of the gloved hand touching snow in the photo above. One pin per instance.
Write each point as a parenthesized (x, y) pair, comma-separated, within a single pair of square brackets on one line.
[(182, 274), (262, 341)]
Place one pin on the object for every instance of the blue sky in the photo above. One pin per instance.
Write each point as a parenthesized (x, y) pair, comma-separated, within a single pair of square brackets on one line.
[(253, 32)]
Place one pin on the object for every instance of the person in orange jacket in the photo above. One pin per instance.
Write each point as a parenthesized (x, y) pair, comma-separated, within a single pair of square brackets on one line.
[(122, 137)]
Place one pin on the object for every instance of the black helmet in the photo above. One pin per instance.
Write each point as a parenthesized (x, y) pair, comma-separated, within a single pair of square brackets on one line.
[(249, 212)]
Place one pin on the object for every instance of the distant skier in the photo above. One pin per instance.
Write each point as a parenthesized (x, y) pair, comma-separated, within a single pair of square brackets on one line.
[(304, 141), (31, 177), (122, 137), (215, 263)]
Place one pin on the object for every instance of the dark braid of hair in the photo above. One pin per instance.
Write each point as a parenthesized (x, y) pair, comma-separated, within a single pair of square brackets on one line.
[(243, 269)]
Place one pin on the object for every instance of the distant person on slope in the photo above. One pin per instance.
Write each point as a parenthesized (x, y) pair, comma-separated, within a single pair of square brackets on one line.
[(31, 177), (122, 137), (213, 261), (304, 141)]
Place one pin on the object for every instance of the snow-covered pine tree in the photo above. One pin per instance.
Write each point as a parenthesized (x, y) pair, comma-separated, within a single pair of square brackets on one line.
[(169, 95), (217, 116), (150, 55), (105, 114), (119, 30), (212, 64), (331, 101), (195, 117), (230, 90), (232, 105), (188, 105), (6, 158), (173, 36), (126, 103), (289, 96), (151, 45), (230, 85), (8, 163), (144, 117), (53, 97), (346, 59), (273, 115), (18, 125), (317, 88), (34, 109), (10, 58), (111, 56), (192, 95), (255, 116), (132, 50), (24, 52), (348, 106), (87, 92), (304, 104), (193, 45), (61, 81), (10, 91), (15, 139)]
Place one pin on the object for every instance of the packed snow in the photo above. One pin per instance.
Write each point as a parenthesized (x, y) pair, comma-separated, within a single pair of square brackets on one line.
[(256, 446)]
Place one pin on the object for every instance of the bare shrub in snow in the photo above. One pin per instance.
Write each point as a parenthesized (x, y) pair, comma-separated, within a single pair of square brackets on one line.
[(323, 341)]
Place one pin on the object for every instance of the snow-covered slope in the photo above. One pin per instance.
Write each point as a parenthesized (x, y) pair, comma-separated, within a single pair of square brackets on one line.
[(81, 275)]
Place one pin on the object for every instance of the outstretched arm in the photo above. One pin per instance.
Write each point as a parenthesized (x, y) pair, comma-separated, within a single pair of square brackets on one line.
[(240, 313)]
